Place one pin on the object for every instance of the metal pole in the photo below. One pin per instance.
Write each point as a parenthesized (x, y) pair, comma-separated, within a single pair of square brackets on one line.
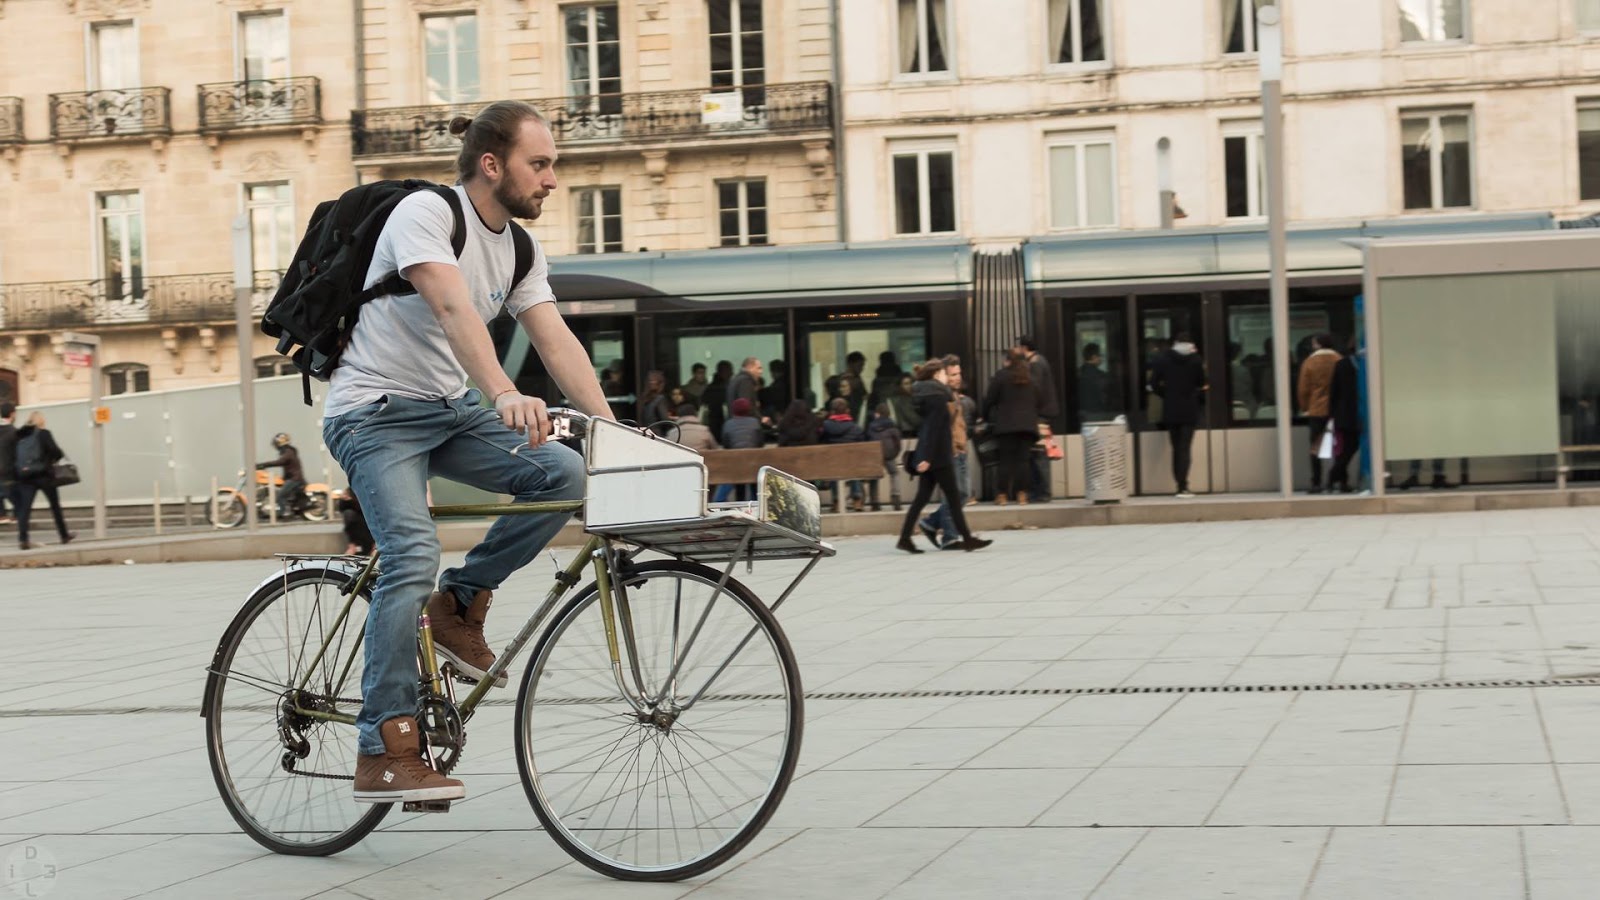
[(158, 505), (97, 442), (1271, 55), (244, 327), (1374, 340)]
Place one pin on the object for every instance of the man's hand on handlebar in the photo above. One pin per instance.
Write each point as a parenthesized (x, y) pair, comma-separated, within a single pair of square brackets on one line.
[(524, 415)]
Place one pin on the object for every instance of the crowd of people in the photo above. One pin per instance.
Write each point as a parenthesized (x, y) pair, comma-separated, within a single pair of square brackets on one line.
[(925, 421)]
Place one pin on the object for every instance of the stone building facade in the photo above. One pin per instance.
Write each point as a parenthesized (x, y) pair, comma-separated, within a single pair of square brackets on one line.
[(138, 130), (1007, 119)]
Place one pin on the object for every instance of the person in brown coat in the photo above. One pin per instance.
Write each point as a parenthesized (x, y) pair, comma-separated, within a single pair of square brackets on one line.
[(1316, 377)]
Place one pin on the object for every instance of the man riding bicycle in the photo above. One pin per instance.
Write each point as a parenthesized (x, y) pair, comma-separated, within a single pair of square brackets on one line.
[(398, 410)]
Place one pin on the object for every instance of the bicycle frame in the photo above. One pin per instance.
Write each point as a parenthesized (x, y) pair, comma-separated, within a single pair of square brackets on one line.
[(596, 551)]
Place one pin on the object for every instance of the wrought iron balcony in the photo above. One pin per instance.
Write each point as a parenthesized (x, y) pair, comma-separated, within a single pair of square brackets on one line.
[(232, 105), (133, 112), (10, 120), (156, 300), (641, 117)]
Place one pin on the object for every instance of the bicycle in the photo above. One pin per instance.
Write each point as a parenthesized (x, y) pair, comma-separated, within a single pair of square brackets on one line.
[(656, 727)]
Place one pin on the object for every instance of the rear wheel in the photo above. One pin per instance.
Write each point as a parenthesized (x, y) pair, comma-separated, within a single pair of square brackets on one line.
[(678, 785), (316, 509), (286, 776)]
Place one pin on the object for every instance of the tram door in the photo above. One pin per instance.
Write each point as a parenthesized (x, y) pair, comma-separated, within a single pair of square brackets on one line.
[(1162, 319)]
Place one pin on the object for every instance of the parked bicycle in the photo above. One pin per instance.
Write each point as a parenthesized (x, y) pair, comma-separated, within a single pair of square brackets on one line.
[(658, 722), (227, 509)]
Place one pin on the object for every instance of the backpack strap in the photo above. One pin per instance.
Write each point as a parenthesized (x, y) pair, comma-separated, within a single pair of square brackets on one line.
[(394, 284), (525, 254)]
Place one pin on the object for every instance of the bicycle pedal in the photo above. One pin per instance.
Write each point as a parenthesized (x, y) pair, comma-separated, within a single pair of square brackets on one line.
[(425, 806)]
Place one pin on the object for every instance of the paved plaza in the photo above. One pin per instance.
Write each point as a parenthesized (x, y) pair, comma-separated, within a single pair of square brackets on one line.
[(1042, 719)]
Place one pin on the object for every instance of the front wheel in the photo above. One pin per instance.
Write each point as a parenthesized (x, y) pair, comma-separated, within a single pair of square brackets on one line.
[(677, 785), (226, 509)]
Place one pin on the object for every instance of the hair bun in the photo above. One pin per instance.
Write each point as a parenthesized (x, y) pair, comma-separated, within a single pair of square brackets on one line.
[(460, 124)]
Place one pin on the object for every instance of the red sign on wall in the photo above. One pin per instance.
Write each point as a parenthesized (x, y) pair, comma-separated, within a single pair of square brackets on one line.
[(78, 359)]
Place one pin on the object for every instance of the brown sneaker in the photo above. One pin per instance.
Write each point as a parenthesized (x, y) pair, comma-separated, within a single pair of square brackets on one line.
[(459, 639), (399, 774)]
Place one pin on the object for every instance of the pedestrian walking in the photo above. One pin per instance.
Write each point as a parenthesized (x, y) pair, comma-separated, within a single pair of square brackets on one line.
[(36, 456), (1316, 376), (1012, 407), (8, 462), (940, 526), (1179, 378), (932, 460)]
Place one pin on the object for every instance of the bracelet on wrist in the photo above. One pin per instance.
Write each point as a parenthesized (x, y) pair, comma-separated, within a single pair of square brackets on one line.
[(509, 390)]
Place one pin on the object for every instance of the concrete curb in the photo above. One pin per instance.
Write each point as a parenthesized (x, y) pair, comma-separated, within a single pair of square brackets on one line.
[(463, 535)]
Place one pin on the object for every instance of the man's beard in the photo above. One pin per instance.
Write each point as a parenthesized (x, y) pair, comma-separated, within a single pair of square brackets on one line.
[(519, 207)]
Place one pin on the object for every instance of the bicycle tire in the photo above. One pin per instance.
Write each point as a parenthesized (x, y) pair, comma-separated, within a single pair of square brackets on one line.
[(566, 834), (348, 825)]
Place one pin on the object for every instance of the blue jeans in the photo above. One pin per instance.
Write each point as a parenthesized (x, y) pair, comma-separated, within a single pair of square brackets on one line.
[(388, 449), (941, 517)]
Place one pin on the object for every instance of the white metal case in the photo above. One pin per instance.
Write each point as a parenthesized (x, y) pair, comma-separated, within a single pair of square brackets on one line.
[(635, 477)]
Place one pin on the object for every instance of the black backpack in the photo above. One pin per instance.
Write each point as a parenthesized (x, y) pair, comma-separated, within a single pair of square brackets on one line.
[(319, 300), (30, 457)]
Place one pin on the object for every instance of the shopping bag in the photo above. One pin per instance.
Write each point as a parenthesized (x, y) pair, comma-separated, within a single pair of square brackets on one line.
[(1052, 448), (63, 473), (1325, 450)]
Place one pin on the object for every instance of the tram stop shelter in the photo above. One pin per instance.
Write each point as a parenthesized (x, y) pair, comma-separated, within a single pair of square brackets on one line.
[(1483, 352)]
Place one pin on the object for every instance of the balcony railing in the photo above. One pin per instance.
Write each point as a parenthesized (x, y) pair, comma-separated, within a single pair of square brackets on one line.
[(10, 120), (155, 300), (249, 104), (655, 116), (100, 114)]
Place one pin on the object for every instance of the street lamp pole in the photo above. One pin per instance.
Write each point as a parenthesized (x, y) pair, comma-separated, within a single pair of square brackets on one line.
[(1270, 46), (244, 327)]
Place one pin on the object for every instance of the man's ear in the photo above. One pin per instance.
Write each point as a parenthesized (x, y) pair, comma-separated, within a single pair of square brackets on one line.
[(490, 165)]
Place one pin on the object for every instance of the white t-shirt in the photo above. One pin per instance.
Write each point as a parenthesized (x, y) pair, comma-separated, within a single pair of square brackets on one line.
[(398, 346)]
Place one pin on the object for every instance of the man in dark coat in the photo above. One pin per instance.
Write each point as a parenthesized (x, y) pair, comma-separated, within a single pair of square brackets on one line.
[(1044, 380), (291, 497), (746, 385), (1179, 378), (1344, 413), (8, 461)]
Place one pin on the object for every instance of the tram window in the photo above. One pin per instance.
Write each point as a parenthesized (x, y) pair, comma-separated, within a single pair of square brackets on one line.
[(609, 342), (890, 342), (1312, 311), (1099, 376), (683, 339)]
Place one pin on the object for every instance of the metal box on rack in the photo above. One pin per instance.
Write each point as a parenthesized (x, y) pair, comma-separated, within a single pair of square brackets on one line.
[(635, 477)]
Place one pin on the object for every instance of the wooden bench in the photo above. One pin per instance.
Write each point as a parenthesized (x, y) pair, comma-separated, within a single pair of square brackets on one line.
[(859, 460), (1563, 466)]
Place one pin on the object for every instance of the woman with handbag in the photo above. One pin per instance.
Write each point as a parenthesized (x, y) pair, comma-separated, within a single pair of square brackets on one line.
[(932, 463), (37, 456)]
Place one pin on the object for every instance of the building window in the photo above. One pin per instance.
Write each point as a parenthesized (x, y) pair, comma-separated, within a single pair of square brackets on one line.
[(599, 219), (1083, 182), (924, 190), (450, 45), (1433, 20), (742, 210), (594, 59), (1243, 166), (1077, 31), (1589, 150), (1436, 159), (271, 209), (1589, 15), (263, 46), (738, 58), (1239, 32), (121, 238), (274, 365), (924, 41), (114, 60), (126, 378)]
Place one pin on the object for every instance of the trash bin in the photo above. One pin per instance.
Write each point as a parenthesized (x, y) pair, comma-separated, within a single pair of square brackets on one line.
[(1105, 461)]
